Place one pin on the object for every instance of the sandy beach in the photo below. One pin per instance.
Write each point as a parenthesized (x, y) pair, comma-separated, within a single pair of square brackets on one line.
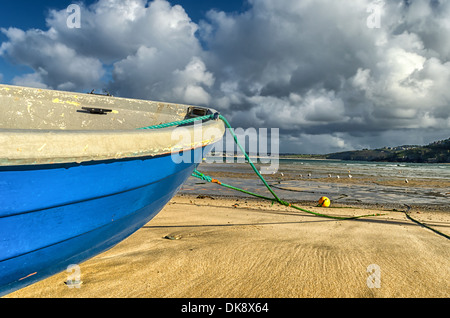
[(225, 247)]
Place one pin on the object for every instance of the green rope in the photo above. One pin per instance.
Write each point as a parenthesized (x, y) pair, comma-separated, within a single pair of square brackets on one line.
[(191, 120), (230, 129), (424, 225), (201, 176), (277, 199), (178, 123)]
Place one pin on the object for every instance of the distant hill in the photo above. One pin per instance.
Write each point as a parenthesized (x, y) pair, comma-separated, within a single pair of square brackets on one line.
[(436, 152)]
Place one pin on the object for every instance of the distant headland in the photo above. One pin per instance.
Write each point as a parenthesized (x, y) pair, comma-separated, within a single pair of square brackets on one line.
[(435, 152)]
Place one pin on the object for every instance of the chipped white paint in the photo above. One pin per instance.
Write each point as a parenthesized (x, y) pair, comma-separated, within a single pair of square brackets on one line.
[(40, 126), (42, 147)]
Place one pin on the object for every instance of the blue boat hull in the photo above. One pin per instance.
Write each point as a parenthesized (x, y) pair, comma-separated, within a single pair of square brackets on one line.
[(53, 216)]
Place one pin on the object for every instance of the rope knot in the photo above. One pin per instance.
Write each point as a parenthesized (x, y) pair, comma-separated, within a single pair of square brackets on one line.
[(203, 177), (215, 181), (284, 203)]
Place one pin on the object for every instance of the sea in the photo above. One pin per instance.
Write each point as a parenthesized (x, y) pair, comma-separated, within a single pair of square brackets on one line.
[(348, 182)]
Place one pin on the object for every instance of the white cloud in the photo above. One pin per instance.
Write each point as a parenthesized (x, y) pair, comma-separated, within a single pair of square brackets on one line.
[(150, 49), (190, 82), (114, 29), (30, 80), (55, 64), (350, 79), (311, 68)]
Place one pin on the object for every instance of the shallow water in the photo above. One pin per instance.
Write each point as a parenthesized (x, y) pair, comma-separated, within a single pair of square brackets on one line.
[(321, 168), (308, 180)]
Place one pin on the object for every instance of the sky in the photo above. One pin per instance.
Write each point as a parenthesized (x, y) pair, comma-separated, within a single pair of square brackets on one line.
[(330, 75)]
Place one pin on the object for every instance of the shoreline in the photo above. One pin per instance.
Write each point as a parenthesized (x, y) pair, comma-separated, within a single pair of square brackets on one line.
[(361, 190), (386, 207), (210, 246)]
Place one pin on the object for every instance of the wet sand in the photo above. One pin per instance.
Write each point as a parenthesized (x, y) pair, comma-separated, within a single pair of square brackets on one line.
[(209, 246)]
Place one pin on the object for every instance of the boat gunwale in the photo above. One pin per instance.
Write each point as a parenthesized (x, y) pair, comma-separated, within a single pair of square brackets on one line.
[(19, 147)]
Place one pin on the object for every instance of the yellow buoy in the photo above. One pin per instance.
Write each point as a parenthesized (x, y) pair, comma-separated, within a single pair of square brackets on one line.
[(325, 202)]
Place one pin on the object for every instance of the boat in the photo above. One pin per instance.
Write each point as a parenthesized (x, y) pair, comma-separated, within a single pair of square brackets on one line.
[(78, 174)]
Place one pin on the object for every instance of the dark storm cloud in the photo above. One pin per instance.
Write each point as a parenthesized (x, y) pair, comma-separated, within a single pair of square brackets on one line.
[(314, 69)]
